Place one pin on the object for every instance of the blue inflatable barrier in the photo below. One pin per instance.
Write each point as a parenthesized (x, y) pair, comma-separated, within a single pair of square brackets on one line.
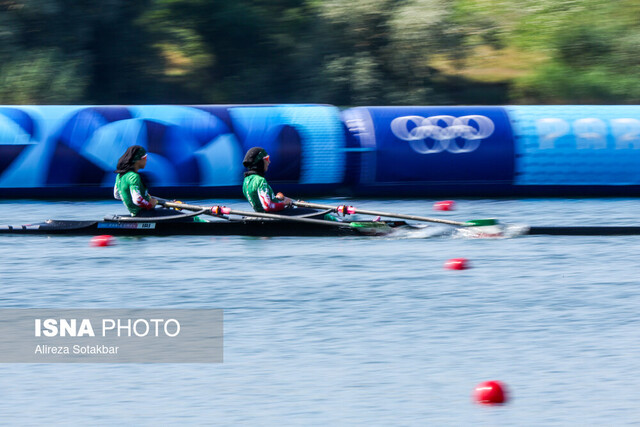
[(196, 151), (576, 145), (429, 147), (63, 150)]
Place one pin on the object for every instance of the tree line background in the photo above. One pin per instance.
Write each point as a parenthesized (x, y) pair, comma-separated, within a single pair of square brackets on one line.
[(341, 52)]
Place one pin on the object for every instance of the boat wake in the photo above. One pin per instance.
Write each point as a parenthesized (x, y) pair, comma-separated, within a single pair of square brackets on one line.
[(515, 230), (502, 231), (421, 232)]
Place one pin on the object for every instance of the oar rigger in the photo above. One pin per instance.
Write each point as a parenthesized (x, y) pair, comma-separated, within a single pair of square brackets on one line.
[(350, 210), (220, 210)]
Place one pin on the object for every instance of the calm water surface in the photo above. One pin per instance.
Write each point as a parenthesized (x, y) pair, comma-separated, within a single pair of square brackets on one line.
[(349, 331)]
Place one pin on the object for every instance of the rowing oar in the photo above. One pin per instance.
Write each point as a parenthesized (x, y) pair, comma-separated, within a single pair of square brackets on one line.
[(219, 211), (352, 210)]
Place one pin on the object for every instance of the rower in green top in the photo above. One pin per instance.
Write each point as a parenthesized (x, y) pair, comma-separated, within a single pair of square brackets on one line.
[(255, 187), (131, 188), (259, 193)]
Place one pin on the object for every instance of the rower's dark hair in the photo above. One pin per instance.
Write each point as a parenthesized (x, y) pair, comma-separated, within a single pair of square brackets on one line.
[(253, 161), (129, 158)]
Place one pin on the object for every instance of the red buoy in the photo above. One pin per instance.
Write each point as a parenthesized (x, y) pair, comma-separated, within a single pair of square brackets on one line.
[(457, 264), (103, 240), (444, 205), (490, 393)]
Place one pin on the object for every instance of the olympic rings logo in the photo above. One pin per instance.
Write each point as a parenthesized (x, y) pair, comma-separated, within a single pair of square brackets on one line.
[(444, 138)]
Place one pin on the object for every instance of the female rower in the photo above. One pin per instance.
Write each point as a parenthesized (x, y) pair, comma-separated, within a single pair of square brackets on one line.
[(130, 187), (258, 192), (255, 187)]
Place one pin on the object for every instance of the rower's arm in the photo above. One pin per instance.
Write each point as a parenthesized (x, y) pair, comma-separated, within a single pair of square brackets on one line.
[(139, 200), (268, 200), (116, 193)]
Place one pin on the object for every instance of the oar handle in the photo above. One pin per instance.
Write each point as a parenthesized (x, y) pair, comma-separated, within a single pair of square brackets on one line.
[(223, 210), (185, 206), (351, 209)]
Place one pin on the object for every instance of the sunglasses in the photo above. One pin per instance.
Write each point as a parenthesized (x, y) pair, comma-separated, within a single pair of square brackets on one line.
[(266, 158)]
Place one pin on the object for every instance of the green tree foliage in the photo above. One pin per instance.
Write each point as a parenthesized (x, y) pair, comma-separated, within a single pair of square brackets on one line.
[(593, 58), (343, 52), (42, 77)]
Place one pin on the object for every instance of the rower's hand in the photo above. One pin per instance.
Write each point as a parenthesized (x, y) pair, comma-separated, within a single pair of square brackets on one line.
[(287, 201), (153, 201)]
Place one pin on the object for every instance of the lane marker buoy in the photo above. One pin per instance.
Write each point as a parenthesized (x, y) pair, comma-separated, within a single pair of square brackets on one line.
[(490, 393), (457, 264), (444, 205), (103, 240)]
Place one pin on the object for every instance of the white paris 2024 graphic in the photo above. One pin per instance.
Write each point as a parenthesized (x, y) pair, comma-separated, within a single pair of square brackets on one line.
[(464, 134), (445, 131), (589, 133)]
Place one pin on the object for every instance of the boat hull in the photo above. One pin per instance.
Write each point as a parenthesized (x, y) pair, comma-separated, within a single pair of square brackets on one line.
[(245, 227)]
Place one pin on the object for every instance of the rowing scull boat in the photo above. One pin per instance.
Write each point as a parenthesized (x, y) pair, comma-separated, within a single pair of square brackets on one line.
[(231, 227), (269, 228)]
